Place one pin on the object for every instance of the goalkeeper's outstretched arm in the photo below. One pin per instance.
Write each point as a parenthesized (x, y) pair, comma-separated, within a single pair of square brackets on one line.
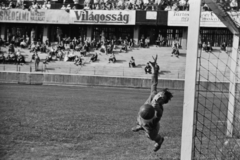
[(154, 80)]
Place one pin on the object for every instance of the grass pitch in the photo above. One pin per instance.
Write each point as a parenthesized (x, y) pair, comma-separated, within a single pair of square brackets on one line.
[(82, 123)]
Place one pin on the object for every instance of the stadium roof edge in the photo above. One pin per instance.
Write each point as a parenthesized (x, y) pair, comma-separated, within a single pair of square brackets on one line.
[(223, 16)]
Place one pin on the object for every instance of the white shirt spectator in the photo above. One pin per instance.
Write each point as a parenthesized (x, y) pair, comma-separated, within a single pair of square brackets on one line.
[(68, 6), (145, 1), (44, 6), (132, 1), (158, 1), (23, 43), (168, 8), (175, 7), (48, 5), (182, 2), (63, 7), (234, 3), (87, 6), (76, 1)]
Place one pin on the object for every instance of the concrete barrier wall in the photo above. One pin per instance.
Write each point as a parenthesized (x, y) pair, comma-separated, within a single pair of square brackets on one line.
[(62, 79)]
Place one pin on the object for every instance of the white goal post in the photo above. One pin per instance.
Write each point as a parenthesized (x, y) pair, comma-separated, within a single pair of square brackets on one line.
[(191, 75)]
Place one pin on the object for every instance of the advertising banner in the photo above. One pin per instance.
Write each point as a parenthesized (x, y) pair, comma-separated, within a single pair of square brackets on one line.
[(118, 17), (39, 16), (181, 18)]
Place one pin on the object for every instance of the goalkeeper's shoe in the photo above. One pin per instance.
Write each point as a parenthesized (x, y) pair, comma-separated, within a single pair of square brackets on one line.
[(158, 145), (137, 128)]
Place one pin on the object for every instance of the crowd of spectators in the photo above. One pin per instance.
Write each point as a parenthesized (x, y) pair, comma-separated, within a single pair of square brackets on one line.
[(166, 5), (21, 5)]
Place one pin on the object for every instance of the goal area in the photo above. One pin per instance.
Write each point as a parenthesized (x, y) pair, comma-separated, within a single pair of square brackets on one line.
[(211, 112)]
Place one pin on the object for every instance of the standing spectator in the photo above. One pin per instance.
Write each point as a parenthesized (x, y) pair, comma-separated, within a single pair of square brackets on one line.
[(147, 41), (33, 35), (44, 6), (48, 5), (158, 40), (27, 40), (59, 35)]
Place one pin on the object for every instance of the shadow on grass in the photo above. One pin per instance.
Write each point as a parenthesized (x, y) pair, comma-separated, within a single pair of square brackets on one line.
[(164, 72), (140, 66), (120, 61)]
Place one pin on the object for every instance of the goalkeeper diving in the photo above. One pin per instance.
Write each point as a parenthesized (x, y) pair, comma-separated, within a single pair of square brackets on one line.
[(151, 111)]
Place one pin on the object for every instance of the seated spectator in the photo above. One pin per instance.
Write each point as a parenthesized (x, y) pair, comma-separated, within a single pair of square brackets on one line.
[(139, 5), (71, 56), (124, 46), (43, 48), (11, 48), (158, 40), (175, 48), (132, 63), (53, 51), (103, 48), (71, 45), (48, 59), (2, 42), (204, 46), (23, 44), (61, 46), (209, 47), (44, 6), (223, 46), (78, 61), (205, 7), (150, 5), (120, 5), (34, 56), (2, 58), (78, 47), (163, 41), (87, 6), (141, 42), (148, 69), (83, 50), (68, 7), (63, 7), (168, 8), (130, 44), (112, 58), (94, 57), (182, 5)]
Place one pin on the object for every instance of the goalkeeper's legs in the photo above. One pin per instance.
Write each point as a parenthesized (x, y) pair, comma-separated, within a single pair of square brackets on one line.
[(138, 127), (156, 137)]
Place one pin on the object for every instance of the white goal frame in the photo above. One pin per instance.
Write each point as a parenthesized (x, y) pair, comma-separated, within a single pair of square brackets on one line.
[(191, 71)]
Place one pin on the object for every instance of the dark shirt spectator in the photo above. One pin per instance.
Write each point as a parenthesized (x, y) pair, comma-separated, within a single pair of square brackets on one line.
[(148, 69), (132, 63)]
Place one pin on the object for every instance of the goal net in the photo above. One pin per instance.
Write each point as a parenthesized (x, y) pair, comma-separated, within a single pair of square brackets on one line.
[(216, 125)]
